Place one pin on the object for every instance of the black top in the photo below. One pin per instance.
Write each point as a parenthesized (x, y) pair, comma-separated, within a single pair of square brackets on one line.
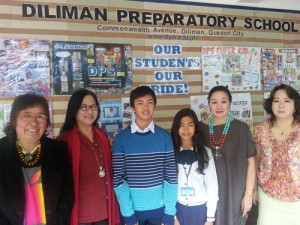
[(56, 180)]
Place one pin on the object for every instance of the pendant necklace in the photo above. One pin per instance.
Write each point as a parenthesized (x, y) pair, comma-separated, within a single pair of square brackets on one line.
[(286, 129), (100, 164), (218, 144)]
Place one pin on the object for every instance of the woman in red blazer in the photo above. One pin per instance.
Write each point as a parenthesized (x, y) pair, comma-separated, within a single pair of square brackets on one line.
[(90, 152)]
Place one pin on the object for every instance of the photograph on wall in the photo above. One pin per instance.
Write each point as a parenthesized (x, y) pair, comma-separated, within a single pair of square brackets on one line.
[(5, 109), (102, 68), (241, 107), (111, 115), (281, 65), (238, 68), (24, 67), (128, 114)]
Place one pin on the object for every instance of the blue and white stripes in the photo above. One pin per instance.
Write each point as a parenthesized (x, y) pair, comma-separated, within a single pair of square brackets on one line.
[(145, 176), (142, 170)]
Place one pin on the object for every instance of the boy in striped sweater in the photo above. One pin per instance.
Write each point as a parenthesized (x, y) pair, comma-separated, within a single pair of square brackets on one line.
[(145, 177)]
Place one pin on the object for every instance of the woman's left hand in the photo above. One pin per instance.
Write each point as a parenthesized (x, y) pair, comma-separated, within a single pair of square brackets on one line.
[(176, 222), (254, 198), (246, 204)]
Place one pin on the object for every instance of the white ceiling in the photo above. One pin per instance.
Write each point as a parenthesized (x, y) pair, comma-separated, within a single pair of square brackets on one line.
[(273, 5)]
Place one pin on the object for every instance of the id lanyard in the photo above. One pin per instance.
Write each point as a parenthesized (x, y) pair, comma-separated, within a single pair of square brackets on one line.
[(187, 174)]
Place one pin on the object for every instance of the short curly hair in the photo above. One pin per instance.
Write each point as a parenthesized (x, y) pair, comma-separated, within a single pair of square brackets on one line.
[(291, 93)]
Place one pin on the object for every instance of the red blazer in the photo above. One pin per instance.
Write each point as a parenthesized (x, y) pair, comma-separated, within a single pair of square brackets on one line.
[(72, 138)]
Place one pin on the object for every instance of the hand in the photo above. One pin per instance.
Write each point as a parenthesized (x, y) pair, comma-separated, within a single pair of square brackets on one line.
[(246, 204), (254, 198), (209, 223), (176, 222)]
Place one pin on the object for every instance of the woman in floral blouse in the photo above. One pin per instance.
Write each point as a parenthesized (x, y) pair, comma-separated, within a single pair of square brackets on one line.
[(278, 154)]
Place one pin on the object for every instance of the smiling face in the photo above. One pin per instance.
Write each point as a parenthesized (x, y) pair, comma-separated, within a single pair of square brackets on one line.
[(219, 105), (31, 124), (143, 109), (186, 130), (282, 106), (88, 117)]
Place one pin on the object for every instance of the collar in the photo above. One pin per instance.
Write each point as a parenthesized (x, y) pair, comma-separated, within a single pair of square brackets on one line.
[(135, 128), (185, 149)]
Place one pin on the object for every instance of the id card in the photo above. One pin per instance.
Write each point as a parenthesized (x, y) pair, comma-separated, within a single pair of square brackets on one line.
[(188, 191)]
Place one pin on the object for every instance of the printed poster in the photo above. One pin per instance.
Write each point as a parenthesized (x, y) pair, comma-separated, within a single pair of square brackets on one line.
[(24, 67), (168, 67), (111, 116), (281, 65), (241, 107), (102, 68), (238, 68)]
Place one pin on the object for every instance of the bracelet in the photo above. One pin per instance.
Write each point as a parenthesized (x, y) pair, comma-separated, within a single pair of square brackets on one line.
[(249, 194)]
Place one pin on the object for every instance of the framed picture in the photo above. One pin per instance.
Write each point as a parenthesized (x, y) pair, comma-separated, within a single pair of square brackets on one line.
[(111, 112)]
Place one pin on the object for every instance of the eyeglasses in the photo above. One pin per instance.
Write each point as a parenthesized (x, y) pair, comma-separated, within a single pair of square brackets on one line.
[(85, 107), (30, 117)]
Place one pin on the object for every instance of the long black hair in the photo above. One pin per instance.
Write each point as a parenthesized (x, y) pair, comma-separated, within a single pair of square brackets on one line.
[(73, 107), (199, 148)]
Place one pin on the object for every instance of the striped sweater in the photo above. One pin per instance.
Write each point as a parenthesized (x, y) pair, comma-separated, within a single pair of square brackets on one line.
[(145, 176)]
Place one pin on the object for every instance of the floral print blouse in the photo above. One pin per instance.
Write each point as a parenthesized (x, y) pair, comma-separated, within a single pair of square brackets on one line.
[(279, 164)]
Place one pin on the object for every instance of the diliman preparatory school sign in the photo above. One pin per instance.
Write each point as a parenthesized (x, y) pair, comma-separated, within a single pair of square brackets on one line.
[(152, 18)]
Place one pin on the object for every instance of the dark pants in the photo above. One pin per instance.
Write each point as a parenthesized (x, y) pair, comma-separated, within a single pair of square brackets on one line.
[(102, 222), (191, 215), (150, 222)]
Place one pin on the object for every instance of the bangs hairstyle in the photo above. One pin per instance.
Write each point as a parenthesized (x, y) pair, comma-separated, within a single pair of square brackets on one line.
[(197, 142), (141, 91), (22, 102), (73, 107), (291, 93), (218, 89)]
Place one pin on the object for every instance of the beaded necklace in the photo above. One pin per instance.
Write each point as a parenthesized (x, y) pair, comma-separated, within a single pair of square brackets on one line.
[(218, 144), (29, 159)]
